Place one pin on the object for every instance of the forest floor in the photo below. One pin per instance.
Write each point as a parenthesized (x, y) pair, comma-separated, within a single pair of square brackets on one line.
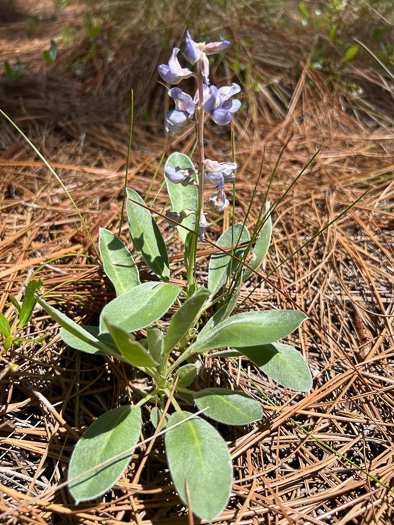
[(323, 457)]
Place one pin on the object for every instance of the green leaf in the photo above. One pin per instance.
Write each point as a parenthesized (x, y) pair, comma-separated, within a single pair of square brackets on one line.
[(15, 303), (4, 325), (155, 417), (118, 263), (156, 344), (182, 197), (250, 329), (105, 340), (220, 264), (147, 239), (261, 246), (198, 454), (350, 53), (72, 327), (29, 302), (184, 319), (140, 307), (228, 407), (186, 375), (113, 433), (283, 364), (132, 351)]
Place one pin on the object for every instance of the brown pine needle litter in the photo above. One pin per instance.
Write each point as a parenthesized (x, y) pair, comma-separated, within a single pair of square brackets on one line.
[(326, 457)]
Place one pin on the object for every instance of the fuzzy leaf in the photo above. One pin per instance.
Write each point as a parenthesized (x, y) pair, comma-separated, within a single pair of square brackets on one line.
[(147, 239), (140, 307), (75, 342), (283, 364), (220, 264), (186, 375), (155, 417), (118, 263), (182, 197), (72, 327), (111, 434), (228, 407), (155, 344), (131, 350), (240, 330), (184, 319), (198, 455)]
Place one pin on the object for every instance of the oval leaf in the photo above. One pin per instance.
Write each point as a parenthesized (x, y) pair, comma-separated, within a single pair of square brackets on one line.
[(82, 346), (147, 239), (155, 417), (140, 307), (260, 327), (182, 197), (283, 364), (186, 375), (221, 265), (118, 263), (155, 344), (262, 244), (198, 454), (350, 53), (131, 350), (72, 327), (184, 319), (228, 407), (111, 434)]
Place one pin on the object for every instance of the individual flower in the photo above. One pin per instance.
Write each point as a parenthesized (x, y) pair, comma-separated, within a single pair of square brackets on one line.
[(218, 173), (195, 52), (202, 227), (219, 106), (178, 175), (217, 201), (174, 73), (178, 216), (179, 119)]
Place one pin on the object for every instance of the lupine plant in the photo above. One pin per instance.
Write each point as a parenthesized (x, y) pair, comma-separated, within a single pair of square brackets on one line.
[(198, 319)]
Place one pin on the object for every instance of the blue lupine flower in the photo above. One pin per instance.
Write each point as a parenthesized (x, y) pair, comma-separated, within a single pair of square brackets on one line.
[(219, 106), (178, 175), (217, 201), (174, 73), (218, 173), (202, 227), (195, 52), (179, 119)]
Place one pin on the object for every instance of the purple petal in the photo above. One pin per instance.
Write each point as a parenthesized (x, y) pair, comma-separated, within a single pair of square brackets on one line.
[(183, 101), (176, 69), (174, 174), (227, 92), (231, 105), (212, 100), (192, 52), (221, 117), (167, 76), (216, 178), (176, 121), (215, 47)]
